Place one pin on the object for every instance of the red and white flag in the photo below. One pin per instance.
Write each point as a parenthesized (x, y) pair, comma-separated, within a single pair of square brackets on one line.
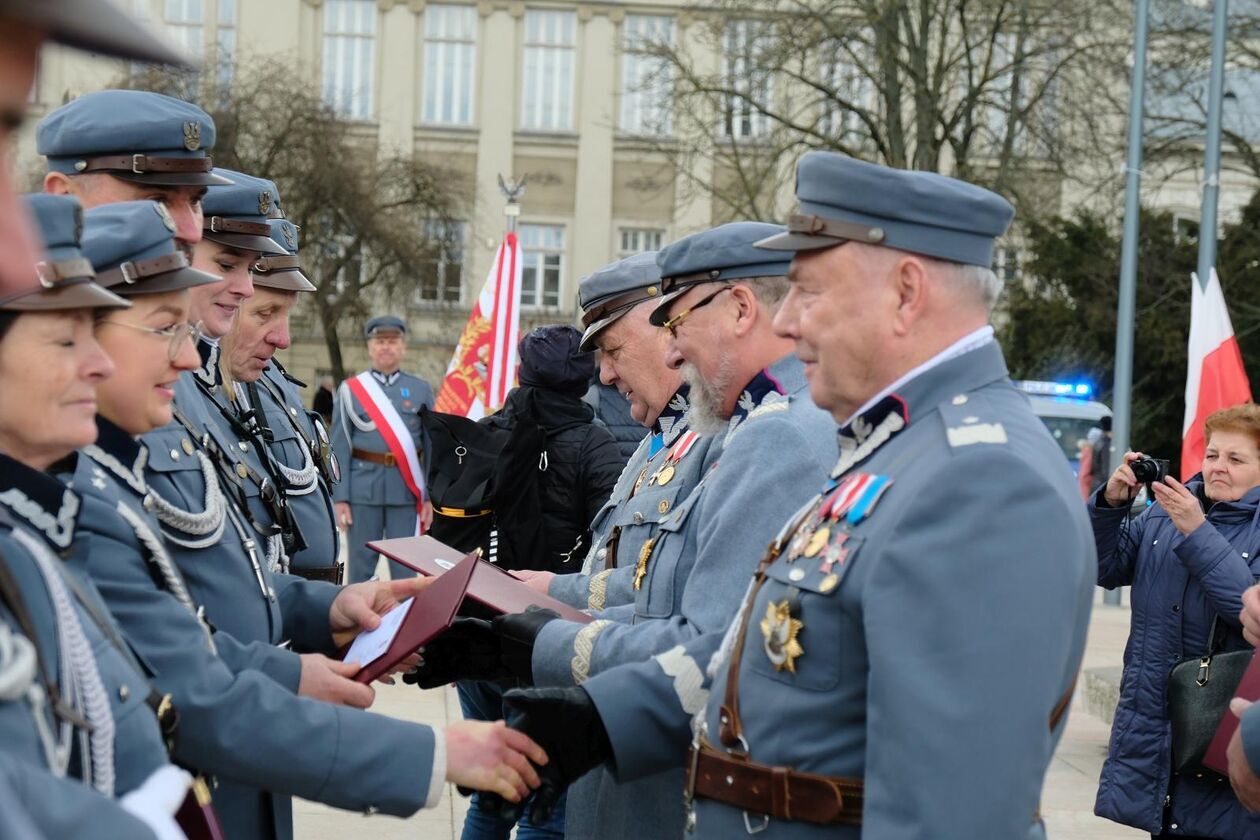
[(1215, 377), (483, 369)]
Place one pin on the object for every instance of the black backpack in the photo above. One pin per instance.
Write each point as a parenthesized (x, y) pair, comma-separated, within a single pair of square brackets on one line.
[(485, 480)]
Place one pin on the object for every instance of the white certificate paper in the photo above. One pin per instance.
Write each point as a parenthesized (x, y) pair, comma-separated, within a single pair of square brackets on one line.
[(371, 645)]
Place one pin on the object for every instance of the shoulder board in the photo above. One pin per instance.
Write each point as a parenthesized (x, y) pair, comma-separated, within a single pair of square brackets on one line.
[(969, 420), (280, 369)]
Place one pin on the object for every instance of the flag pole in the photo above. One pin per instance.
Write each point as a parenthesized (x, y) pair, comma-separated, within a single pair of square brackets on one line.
[(1122, 394), (1212, 146)]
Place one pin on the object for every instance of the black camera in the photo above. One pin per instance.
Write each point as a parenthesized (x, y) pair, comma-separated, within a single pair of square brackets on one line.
[(1149, 470)]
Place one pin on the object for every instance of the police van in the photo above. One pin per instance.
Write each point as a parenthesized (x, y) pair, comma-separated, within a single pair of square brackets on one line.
[(1069, 412)]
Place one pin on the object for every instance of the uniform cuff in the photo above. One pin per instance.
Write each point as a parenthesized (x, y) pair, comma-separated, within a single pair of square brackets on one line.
[(552, 660), (437, 781)]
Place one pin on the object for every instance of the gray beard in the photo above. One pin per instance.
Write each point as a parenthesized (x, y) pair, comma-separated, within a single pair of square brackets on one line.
[(706, 414)]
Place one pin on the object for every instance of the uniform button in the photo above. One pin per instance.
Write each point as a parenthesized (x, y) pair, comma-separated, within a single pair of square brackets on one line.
[(147, 502), (663, 507), (961, 399), (241, 470), (796, 574), (601, 554), (187, 446), (638, 518), (243, 445), (293, 411), (174, 454), (1176, 607), (271, 593), (123, 693)]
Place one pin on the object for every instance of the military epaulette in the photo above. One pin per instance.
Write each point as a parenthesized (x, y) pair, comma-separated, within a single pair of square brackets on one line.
[(286, 374), (967, 419)]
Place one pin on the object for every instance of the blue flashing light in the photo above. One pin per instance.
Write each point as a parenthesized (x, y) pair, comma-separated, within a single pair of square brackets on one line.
[(1071, 390)]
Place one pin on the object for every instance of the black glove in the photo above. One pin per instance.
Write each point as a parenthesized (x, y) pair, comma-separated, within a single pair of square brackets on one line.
[(469, 650), (565, 723), (517, 633)]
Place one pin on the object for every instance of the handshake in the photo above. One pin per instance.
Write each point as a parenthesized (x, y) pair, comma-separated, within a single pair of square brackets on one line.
[(559, 730)]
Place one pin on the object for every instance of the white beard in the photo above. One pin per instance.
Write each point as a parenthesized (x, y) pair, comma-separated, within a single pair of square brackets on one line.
[(707, 416)]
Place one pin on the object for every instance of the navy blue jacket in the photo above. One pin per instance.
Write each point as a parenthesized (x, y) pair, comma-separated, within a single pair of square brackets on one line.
[(1179, 584)]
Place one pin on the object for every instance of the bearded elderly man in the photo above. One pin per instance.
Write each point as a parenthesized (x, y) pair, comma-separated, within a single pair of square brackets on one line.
[(888, 674), (721, 297)]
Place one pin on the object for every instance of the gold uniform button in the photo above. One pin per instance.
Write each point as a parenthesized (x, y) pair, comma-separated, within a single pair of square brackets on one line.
[(187, 446), (663, 507), (241, 471)]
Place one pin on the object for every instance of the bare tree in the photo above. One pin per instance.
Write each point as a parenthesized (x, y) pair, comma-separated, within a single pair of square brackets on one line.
[(368, 222), (1004, 92)]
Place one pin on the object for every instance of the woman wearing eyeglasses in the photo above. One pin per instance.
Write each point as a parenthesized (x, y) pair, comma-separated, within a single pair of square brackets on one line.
[(73, 700)]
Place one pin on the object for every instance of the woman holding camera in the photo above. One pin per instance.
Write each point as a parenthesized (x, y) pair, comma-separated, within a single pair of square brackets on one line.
[(1188, 558)]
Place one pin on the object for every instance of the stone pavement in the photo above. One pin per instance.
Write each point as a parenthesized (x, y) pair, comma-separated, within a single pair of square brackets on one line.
[(1067, 803)]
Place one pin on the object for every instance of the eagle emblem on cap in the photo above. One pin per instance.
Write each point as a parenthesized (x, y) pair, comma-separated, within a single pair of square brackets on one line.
[(165, 215), (264, 202), (290, 236), (192, 136)]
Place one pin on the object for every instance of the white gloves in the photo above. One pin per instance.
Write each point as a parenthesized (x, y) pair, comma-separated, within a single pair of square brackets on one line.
[(157, 800)]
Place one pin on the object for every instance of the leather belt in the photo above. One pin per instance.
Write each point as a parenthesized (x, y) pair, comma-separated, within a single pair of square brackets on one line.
[(329, 574), (778, 792), (385, 458)]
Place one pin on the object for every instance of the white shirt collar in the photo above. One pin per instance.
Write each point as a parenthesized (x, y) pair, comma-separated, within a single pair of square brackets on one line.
[(966, 344)]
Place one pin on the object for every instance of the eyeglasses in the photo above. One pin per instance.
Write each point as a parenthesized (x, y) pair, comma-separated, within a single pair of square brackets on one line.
[(672, 323), (175, 334)]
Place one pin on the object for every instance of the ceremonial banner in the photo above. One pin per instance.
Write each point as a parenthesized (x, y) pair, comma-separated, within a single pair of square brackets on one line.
[(1215, 377), (483, 368)]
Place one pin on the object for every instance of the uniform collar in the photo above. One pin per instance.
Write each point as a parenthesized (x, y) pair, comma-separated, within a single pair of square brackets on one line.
[(209, 370), (770, 385), (118, 452), (673, 419), (948, 378), (39, 501), (386, 378)]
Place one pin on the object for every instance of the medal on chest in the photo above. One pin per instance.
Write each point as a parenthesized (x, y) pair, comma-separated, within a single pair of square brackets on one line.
[(780, 631), (665, 474)]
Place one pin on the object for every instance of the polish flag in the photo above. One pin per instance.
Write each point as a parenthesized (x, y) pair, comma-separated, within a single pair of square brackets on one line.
[(483, 369), (1215, 378)]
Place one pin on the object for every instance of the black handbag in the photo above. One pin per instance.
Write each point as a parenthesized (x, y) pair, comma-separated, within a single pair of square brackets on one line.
[(1199, 691)]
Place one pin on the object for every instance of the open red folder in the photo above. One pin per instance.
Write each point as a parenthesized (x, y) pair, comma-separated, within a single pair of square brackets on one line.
[(430, 613), (1248, 689), (491, 586)]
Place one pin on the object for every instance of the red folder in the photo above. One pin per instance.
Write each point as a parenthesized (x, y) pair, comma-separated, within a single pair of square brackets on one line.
[(432, 612), (491, 586), (1248, 689)]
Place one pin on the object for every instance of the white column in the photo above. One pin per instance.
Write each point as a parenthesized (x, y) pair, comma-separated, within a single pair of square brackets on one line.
[(693, 208), (596, 114), (396, 69), (497, 84)]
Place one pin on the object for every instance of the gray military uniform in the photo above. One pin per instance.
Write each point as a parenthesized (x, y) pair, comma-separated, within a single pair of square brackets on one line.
[(696, 568), (913, 667), (380, 503)]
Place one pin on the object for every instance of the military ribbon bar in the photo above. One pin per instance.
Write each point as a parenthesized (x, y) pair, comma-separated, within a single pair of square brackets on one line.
[(397, 437)]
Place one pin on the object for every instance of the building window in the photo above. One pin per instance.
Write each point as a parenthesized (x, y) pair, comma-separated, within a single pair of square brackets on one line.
[(547, 97), (1006, 263), (202, 28), (747, 72), (542, 254), (450, 51), (1185, 228), (638, 240), (646, 79), (851, 88), (350, 57), (441, 275)]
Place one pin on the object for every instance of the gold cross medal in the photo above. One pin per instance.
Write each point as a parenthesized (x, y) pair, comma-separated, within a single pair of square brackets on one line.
[(780, 631), (638, 482)]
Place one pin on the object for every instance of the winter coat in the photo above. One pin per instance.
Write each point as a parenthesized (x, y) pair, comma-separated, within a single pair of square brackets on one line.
[(1179, 584), (580, 468)]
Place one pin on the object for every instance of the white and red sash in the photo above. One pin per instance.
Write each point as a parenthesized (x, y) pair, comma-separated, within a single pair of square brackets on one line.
[(395, 432)]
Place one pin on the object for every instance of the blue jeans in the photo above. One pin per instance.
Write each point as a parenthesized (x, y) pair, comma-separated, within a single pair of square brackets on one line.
[(484, 701)]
